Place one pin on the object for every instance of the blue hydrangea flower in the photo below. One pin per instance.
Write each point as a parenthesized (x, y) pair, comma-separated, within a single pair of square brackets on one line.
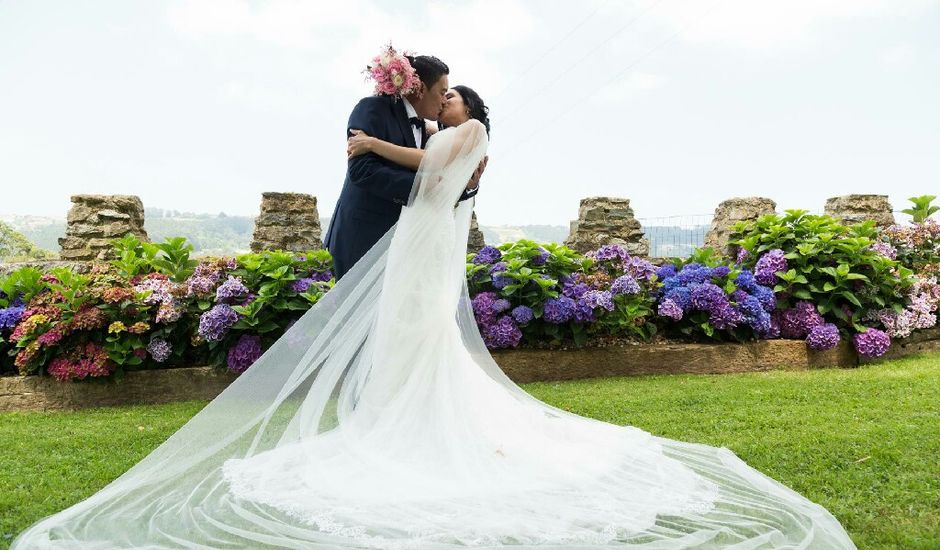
[(706, 294), (523, 315), (745, 281), (501, 305), (665, 271), (558, 310), (681, 296), (721, 271), (10, 316)]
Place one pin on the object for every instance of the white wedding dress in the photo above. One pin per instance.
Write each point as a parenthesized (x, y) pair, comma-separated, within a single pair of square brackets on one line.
[(379, 420)]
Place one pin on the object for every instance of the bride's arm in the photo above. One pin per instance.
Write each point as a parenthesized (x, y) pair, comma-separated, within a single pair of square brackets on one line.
[(360, 143)]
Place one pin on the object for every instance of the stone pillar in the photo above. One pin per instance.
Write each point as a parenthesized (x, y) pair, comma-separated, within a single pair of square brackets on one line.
[(95, 220), (475, 242), (288, 221), (850, 209), (730, 212), (607, 220)]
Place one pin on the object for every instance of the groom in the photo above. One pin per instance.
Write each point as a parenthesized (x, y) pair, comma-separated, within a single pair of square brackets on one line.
[(375, 189)]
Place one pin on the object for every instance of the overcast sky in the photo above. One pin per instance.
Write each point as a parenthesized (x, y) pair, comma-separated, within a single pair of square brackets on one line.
[(675, 104)]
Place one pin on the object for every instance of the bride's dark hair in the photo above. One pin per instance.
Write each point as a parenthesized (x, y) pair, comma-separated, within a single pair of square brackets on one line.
[(475, 106)]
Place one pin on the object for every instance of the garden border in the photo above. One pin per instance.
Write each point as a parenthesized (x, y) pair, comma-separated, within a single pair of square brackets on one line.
[(521, 365)]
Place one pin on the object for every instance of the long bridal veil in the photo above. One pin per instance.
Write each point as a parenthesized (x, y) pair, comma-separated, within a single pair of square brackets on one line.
[(379, 420)]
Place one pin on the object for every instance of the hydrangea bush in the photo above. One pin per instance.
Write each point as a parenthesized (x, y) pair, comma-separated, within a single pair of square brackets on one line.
[(154, 306), (527, 292), (825, 273)]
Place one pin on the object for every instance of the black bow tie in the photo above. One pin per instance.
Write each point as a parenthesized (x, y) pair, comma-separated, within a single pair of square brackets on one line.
[(417, 122)]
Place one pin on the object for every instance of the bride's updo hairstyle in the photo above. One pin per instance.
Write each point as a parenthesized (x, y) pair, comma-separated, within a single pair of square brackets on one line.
[(475, 106)]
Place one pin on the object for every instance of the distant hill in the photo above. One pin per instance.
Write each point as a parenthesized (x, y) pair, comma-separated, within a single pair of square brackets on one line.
[(218, 234), (14, 246)]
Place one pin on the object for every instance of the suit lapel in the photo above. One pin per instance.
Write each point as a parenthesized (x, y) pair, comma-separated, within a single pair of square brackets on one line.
[(402, 117)]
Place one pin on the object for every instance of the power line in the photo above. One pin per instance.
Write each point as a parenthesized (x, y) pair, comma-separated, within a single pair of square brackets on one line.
[(564, 72), (617, 77), (554, 46)]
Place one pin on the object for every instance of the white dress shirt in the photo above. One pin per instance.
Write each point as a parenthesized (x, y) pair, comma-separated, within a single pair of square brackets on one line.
[(411, 113)]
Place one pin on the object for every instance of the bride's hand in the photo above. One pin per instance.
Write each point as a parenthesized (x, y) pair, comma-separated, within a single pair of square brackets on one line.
[(359, 143)]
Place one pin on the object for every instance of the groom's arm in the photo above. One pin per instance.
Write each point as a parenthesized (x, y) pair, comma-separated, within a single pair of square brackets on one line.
[(474, 184), (371, 172)]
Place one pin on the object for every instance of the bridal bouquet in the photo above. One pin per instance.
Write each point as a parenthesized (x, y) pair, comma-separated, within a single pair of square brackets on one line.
[(392, 73)]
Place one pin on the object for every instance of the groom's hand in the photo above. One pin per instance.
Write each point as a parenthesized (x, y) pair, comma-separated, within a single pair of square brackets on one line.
[(475, 178)]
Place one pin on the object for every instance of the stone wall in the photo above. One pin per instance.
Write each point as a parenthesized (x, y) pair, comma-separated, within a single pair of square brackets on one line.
[(730, 212), (858, 208), (95, 220), (607, 220), (288, 221), (475, 241)]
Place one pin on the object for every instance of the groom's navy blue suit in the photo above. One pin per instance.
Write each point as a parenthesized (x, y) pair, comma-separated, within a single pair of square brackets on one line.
[(375, 188)]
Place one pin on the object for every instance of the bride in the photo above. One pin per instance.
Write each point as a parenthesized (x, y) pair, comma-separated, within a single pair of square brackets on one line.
[(379, 420)]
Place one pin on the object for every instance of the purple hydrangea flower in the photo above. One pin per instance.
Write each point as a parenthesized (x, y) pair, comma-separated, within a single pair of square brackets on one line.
[(610, 252), (640, 269), (232, 289), (322, 276), (497, 272), (670, 309), (823, 337), (722, 315), (487, 255), (523, 315), (244, 353), (159, 349), (541, 258), (302, 285), (741, 255), (214, 323), (721, 271), (768, 265), (885, 250), (503, 334), (707, 294), (625, 284), (501, 305), (575, 290), (558, 310), (599, 298), (583, 311), (483, 307), (694, 273), (10, 316), (872, 343)]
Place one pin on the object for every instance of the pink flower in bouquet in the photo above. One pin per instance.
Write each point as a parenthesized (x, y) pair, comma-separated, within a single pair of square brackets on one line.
[(392, 73)]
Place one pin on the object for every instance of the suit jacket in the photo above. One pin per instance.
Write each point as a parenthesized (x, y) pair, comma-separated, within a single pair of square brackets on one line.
[(375, 188)]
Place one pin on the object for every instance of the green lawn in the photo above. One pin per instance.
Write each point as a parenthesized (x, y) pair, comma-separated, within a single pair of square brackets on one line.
[(864, 443)]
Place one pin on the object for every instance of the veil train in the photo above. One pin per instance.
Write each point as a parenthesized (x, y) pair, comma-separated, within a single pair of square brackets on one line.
[(380, 420)]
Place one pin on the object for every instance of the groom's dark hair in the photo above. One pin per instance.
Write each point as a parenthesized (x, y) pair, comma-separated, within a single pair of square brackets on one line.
[(429, 68)]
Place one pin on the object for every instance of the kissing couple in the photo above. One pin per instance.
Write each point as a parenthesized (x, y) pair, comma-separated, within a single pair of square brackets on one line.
[(387, 134)]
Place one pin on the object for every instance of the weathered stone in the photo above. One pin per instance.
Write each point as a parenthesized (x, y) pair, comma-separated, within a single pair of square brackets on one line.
[(730, 212), (475, 240), (95, 220), (850, 209), (607, 220), (288, 221)]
